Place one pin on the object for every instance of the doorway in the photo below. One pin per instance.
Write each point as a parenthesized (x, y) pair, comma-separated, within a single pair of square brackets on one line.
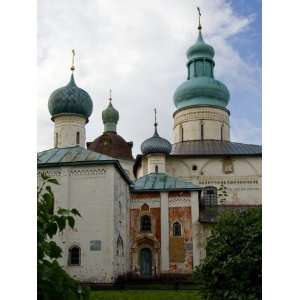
[(146, 262)]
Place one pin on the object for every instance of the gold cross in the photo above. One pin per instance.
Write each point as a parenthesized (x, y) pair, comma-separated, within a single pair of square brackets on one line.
[(199, 26), (73, 54)]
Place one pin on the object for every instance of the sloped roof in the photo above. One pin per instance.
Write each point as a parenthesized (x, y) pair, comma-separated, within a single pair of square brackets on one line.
[(70, 154), (76, 155), (162, 182), (213, 147)]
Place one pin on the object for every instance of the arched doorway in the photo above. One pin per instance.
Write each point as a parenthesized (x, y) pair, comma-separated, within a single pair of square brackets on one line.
[(146, 262)]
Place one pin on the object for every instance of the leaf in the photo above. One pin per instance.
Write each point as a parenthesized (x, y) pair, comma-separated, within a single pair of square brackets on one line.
[(53, 180), (71, 222), (75, 212)]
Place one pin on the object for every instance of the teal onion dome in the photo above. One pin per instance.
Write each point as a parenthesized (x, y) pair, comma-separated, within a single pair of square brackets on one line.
[(110, 118), (201, 88), (70, 99), (156, 144)]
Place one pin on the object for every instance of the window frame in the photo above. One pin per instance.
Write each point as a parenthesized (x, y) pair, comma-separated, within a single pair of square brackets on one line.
[(180, 229), (70, 256), (142, 230)]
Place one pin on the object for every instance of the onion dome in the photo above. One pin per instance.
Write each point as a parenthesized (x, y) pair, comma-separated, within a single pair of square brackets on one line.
[(110, 118), (70, 99), (201, 88), (110, 143), (156, 144)]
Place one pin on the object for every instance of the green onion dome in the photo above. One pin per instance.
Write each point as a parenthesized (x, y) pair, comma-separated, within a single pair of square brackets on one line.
[(201, 88), (156, 144), (70, 99), (110, 118)]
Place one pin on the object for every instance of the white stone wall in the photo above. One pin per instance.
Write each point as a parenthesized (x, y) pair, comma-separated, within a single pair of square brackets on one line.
[(243, 183), (121, 226), (66, 128), (187, 124), (156, 160), (92, 191)]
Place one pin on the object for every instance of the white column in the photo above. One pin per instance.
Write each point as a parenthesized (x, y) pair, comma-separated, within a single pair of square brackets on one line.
[(164, 218), (195, 228)]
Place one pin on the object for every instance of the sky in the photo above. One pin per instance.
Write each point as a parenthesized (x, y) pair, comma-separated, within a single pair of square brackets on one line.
[(137, 49)]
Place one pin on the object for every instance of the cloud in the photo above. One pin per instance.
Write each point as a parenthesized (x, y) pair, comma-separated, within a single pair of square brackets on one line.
[(137, 48)]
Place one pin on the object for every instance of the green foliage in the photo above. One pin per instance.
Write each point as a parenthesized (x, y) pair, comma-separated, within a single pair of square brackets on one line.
[(222, 193), (145, 295), (232, 267), (53, 282)]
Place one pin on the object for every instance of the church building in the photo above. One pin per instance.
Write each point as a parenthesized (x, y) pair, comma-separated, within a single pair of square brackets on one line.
[(150, 214)]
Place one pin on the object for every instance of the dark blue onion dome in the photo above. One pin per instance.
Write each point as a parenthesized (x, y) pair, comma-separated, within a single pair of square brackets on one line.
[(156, 144), (70, 99)]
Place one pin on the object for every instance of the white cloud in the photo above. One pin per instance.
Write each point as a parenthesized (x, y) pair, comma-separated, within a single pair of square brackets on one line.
[(137, 48)]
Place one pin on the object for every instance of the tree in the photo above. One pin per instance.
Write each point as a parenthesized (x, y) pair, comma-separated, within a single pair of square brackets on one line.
[(232, 266), (53, 282)]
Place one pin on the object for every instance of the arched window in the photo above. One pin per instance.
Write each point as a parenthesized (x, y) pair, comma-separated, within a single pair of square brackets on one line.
[(156, 169), (210, 196), (77, 138), (146, 223), (74, 256), (202, 130), (120, 246), (176, 229)]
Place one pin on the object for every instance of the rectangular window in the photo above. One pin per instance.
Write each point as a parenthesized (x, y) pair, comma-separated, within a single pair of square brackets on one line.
[(77, 138)]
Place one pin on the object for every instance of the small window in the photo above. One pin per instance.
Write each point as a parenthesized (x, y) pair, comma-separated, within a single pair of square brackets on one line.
[(56, 140), (120, 246), (74, 256), (202, 131), (145, 223), (210, 196), (77, 138), (176, 229), (181, 134), (222, 129), (194, 168), (156, 169)]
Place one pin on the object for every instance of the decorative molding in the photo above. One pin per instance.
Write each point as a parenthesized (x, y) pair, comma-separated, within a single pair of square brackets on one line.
[(87, 172), (50, 172), (203, 114), (179, 201)]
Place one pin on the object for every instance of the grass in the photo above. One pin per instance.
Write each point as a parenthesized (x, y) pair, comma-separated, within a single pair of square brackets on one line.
[(145, 295)]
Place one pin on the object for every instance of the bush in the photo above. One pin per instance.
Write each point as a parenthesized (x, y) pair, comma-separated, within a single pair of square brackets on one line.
[(232, 266)]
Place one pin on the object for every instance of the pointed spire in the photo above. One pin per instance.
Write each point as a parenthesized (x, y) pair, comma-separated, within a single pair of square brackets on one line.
[(73, 66), (155, 123), (200, 38), (199, 26), (110, 98)]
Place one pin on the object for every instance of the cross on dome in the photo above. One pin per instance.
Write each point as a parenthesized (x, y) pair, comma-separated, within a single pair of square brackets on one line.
[(73, 55), (199, 26)]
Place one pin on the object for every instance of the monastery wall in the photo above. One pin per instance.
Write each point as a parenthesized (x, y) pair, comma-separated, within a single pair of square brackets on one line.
[(241, 176), (90, 190)]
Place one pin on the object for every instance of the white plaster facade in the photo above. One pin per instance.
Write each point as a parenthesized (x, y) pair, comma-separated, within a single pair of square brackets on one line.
[(69, 130), (101, 196), (201, 123)]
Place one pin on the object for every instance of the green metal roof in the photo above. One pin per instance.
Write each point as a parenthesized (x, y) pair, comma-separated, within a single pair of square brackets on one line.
[(162, 182), (70, 154), (74, 156)]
